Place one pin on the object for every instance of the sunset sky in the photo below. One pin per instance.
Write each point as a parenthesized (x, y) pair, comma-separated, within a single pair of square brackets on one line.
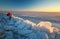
[(30, 5)]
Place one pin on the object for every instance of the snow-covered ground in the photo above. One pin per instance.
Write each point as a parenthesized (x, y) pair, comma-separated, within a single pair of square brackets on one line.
[(19, 28)]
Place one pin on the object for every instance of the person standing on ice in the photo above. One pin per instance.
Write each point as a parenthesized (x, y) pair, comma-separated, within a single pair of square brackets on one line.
[(9, 15)]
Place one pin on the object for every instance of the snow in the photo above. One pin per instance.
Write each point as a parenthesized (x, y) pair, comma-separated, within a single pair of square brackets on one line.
[(18, 28), (45, 26), (45, 23)]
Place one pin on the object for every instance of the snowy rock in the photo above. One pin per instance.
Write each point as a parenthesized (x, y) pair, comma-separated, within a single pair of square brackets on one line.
[(27, 26)]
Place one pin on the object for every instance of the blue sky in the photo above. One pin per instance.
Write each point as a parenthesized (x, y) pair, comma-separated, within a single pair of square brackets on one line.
[(17, 4), (30, 5)]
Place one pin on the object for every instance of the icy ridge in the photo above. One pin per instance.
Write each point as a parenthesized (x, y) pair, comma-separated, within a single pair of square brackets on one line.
[(18, 28)]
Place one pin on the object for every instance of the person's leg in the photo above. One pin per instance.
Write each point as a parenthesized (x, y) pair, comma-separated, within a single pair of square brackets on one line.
[(9, 18)]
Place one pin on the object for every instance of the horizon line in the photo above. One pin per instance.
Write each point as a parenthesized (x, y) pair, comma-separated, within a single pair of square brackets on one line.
[(29, 11)]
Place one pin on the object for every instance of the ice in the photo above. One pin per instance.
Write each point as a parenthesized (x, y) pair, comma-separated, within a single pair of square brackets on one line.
[(18, 28), (42, 35), (34, 26), (33, 36), (9, 35), (45, 23), (45, 26), (58, 36), (25, 32)]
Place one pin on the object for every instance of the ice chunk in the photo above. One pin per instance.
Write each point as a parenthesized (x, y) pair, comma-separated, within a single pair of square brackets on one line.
[(33, 25), (9, 35), (2, 33), (29, 22), (33, 36), (28, 26), (42, 35), (57, 36), (51, 35), (18, 28), (25, 32), (45, 23), (45, 26), (21, 25), (11, 22)]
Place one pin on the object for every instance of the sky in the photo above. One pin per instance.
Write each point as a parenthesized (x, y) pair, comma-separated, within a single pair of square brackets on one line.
[(30, 5)]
